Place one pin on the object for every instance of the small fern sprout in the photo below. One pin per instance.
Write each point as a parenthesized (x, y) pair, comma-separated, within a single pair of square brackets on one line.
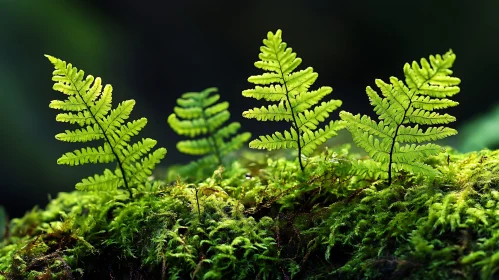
[(201, 115), (426, 88), (88, 104), (290, 89)]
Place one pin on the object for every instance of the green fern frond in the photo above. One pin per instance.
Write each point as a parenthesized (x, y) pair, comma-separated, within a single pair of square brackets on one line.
[(276, 141), (426, 88), (312, 139), (106, 182), (89, 105), (203, 116), (290, 88)]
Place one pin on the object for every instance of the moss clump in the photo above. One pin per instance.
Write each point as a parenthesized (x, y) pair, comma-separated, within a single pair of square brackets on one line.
[(267, 220)]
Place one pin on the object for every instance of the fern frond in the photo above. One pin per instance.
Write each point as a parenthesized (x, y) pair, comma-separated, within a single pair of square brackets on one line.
[(270, 93), (426, 103), (235, 143), (276, 141), (416, 134), (189, 128), (308, 99), (425, 89), (117, 116), (105, 182), (103, 105), (408, 153), (420, 116), (140, 171), (203, 116), (271, 113), (381, 107), (227, 131), (91, 132), (311, 119), (290, 89), (137, 150), (217, 120), (123, 134), (376, 149), (217, 108), (312, 139), (101, 154), (416, 168), (194, 147), (89, 105), (82, 119), (365, 123)]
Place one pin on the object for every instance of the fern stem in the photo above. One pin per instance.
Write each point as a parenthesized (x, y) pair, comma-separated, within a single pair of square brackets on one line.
[(107, 139), (397, 129), (212, 141), (295, 123), (197, 200), (393, 145)]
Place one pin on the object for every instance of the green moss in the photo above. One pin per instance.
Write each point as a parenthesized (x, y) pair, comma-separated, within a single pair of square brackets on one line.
[(262, 219)]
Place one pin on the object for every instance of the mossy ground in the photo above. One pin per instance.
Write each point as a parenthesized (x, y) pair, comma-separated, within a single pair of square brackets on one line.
[(264, 219)]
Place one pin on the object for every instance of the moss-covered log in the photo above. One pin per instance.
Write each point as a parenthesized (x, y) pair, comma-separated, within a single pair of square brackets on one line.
[(266, 220)]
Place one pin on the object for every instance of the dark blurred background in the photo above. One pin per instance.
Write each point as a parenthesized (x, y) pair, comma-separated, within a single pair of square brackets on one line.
[(153, 51)]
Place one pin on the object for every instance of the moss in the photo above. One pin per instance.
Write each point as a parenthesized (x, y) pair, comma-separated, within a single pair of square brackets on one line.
[(264, 219)]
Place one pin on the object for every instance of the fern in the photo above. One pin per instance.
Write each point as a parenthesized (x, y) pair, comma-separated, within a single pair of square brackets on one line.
[(290, 90), (202, 115), (426, 87), (89, 106)]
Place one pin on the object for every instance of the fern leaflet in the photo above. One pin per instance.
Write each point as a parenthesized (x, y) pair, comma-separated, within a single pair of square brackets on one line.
[(88, 104), (290, 90), (202, 115), (425, 90)]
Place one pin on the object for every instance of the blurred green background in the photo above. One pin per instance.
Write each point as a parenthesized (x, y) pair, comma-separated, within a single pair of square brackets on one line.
[(153, 51)]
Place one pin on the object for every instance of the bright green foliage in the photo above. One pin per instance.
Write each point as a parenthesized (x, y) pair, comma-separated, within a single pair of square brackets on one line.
[(425, 89), (202, 115), (290, 90), (269, 221), (89, 106), (263, 219)]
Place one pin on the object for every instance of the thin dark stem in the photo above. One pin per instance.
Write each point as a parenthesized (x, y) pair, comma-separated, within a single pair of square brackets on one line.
[(396, 132), (295, 123), (197, 200), (120, 165), (212, 138), (392, 147)]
